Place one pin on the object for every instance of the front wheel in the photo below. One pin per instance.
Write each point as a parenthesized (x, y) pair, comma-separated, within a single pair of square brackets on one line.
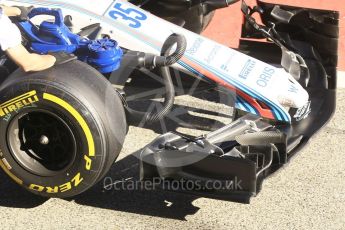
[(60, 129)]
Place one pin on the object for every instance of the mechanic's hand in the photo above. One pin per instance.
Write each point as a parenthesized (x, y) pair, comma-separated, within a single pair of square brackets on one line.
[(24, 12)]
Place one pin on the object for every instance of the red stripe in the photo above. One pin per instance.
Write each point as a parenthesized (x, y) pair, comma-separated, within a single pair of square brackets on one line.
[(267, 113)]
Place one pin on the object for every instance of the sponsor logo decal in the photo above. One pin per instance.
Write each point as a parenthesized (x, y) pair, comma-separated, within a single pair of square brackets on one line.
[(195, 47), (18, 102), (247, 69), (303, 112), (265, 77), (213, 54), (76, 180)]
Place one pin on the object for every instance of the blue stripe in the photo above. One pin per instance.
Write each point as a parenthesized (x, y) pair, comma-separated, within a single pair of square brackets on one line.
[(277, 110), (248, 107), (240, 103), (239, 85), (191, 69)]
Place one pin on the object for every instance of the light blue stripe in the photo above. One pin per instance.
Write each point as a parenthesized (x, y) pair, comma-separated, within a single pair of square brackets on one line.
[(248, 106), (248, 91)]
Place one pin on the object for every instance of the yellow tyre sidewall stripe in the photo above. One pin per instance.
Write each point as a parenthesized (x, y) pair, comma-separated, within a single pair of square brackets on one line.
[(77, 116), (10, 174)]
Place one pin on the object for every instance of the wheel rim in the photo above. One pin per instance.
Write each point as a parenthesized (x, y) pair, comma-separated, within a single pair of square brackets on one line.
[(42, 143)]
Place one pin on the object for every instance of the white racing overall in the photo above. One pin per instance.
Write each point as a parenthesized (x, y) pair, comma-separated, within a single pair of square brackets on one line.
[(9, 33)]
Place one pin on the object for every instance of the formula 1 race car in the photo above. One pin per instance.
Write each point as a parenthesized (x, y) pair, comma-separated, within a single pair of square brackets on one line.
[(63, 128)]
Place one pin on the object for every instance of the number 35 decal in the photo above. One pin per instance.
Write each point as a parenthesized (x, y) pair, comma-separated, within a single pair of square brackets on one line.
[(131, 15)]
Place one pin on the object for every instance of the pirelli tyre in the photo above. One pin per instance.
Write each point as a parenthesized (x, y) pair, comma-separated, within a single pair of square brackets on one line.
[(60, 129)]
